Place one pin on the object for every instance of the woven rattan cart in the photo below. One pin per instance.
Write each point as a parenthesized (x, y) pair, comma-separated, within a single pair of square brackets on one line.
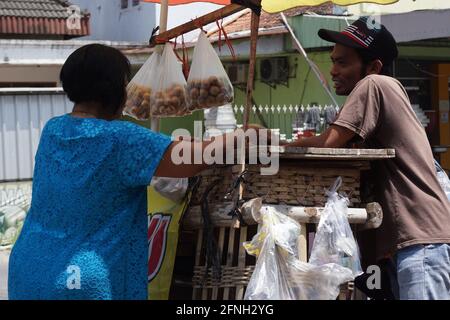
[(298, 190)]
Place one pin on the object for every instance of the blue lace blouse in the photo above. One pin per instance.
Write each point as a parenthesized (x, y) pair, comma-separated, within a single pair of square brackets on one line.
[(85, 235)]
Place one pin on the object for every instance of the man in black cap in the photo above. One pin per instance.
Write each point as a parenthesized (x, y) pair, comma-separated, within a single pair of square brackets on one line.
[(414, 236)]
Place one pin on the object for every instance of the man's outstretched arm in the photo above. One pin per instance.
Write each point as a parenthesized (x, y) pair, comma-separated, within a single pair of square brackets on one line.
[(334, 137)]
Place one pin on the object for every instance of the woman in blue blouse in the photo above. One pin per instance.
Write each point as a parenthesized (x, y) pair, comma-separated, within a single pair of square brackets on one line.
[(88, 211)]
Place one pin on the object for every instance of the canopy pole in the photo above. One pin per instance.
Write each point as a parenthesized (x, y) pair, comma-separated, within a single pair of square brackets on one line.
[(248, 106), (154, 122), (252, 64), (311, 64)]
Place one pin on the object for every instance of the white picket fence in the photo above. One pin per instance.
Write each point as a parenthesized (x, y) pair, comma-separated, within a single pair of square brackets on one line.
[(289, 118)]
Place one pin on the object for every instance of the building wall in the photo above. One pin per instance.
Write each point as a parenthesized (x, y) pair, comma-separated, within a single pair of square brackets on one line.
[(303, 88), (135, 23), (442, 106), (22, 118), (184, 13), (110, 22), (30, 74)]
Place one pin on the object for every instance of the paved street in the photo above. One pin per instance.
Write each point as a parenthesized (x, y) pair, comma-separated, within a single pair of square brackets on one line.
[(4, 258)]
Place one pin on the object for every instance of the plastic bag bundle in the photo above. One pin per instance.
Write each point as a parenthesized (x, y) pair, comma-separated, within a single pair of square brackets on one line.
[(299, 119), (139, 89), (334, 241), (168, 97), (279, 274), (329, 114), (312, 115), (171, 188), (208, 83)]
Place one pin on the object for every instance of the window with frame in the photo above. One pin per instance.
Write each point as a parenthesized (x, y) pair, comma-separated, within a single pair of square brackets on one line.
[(124, 4), (136, 3)]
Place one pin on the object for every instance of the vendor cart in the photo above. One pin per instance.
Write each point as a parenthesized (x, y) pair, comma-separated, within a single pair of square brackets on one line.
[(297, 190), (219, 217)]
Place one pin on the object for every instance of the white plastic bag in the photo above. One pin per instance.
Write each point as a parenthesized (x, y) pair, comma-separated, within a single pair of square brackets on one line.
[(208, 83), (279, 274), (443, 179), (140, 88), (168, 97), (334, 241), (171, 188)]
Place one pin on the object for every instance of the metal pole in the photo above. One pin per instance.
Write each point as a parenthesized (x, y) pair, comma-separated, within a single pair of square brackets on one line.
[(311, 64)]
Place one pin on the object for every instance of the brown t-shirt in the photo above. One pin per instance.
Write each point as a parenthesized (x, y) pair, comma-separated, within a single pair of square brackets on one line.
[(415, 208)]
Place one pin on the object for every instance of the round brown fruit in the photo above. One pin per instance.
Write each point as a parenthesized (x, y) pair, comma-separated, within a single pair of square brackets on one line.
[(203, 93), (213, 80), (214, 90), (194, 93)]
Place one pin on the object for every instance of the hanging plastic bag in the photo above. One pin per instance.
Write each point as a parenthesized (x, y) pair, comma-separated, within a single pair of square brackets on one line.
[(168, 96), (208, 83), (443, 179), (279, 274), (171, 188), (139, 89), (334, 241)]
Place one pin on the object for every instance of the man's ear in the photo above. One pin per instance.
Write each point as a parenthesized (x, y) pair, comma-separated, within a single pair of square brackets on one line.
[(374, 67)]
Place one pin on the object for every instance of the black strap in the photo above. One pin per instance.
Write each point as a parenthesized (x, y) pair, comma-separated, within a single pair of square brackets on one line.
[(236, 212), (152, 36)]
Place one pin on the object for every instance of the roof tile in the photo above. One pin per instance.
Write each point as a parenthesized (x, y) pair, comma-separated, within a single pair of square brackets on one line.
[(271, 20), (38, 17), (35, 8)]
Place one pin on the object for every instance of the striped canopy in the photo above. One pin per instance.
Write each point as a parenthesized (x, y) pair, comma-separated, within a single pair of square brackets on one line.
[(273, 6)]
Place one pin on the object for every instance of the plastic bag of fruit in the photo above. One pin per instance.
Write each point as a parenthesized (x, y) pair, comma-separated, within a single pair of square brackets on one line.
[(139, 89), (208, 83), (169, 98)]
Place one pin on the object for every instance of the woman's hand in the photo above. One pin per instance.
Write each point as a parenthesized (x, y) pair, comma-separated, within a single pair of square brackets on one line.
[(169, 168)]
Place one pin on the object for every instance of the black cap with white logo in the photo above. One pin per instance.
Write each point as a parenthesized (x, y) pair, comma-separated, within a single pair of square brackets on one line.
[(368, 35)]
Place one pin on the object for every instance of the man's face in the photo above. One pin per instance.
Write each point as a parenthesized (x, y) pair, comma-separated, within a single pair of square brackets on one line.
[(346, 70)]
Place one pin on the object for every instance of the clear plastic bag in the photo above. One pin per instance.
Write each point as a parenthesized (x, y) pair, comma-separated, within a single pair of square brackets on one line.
[(208, 83), (168, 97), (171, 188), (443, 179), (334, 241), (279, 274), (139, 89)]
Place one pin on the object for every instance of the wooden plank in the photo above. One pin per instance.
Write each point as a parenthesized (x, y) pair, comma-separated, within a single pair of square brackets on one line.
[(205, 291), (330, 153), (241, 261), (198, 252), (338, 151), (369, 217), (229, 262), (303, 243), (215, 289), (334, 157), (254, 26)]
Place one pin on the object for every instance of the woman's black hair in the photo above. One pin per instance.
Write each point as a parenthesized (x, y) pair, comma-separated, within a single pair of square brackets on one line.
[(367, 57), (96, 73)]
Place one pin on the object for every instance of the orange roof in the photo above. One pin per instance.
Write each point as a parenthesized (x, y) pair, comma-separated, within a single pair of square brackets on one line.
[(43, 18), (268, 21)]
